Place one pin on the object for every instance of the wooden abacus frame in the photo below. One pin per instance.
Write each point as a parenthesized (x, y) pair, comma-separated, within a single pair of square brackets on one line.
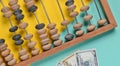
[(112, 24)]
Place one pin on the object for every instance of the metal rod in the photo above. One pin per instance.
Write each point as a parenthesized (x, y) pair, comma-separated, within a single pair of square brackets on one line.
[(67, 29), (97, 9), (60, 10), (10, 21), (76, 20), (62, 15), (82, 3), (36, 18), (2, 3), (45, 11)]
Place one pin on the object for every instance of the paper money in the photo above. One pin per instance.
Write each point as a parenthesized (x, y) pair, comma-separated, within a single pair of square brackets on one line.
[(80, 58), (86, 58)]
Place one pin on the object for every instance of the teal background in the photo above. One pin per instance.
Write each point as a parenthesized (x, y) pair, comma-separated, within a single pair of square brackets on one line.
[(107, 44)]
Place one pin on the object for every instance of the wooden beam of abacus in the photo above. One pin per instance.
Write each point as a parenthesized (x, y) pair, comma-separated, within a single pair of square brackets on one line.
[(112, 24)]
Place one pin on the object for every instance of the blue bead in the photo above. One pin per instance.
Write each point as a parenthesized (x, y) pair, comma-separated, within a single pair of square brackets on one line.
[(17, 11), (69, 2), (69, 37), (19, 42), (19, 17), (2, 41), (13, 29), (40, 26), (32, 8), (16, 37)]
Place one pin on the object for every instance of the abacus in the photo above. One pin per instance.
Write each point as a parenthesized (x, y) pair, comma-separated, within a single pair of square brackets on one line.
[(46, 39)]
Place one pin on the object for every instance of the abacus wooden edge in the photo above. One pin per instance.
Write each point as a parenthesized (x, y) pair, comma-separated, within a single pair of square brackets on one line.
[(112, 24), (108, 12)]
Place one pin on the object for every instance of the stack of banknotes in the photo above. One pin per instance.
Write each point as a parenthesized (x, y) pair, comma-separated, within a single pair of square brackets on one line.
[(80, 58)]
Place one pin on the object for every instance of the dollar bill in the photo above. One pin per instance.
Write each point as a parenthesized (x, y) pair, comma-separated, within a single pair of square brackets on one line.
[(86, 58), (68, 61), (81, 58)]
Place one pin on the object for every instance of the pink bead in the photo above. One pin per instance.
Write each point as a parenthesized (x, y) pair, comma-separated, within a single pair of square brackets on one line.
[(91, 28), (84, 8), (45, 41), (74, 14), (31, 44), (7, 14), (3, 47), (9, 57), (13, 2), (43, 36), (15, 6), (47, 47), (22, 52), (72, 7), (80, 33), (88, 17), (77, 26), (12, 62), (58, 42), (42, 31), (5, 53), (53, 31), (35, 52), (24, 57), (5, 9), (55, 37), (23, 25), (30, 3), (28, 36), (51, 26), (65, 23), (102, 22)]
